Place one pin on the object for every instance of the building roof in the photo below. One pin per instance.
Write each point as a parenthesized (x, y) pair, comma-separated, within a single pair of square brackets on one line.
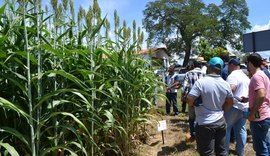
[(147, 51)]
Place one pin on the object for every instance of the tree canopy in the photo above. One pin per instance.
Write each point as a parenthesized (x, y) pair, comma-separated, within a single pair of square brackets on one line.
[(180, 23)]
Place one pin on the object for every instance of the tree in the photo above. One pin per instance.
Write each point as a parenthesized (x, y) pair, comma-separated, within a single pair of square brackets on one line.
[(178, 23), (207, 52), (229, 24)]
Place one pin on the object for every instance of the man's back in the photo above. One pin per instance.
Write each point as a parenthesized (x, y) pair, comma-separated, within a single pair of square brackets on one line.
[(213, 91), (241, 81), (190, 78)]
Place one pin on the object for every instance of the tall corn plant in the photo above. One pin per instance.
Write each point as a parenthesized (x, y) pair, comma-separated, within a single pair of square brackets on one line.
[(14, 79), (122, 85), (29, 87)]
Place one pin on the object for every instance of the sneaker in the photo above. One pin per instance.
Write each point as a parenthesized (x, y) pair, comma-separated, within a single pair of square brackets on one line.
[(175, 114), (190, 138)]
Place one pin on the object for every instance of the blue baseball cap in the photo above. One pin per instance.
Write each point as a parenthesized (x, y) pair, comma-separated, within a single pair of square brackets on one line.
[(216, 61)]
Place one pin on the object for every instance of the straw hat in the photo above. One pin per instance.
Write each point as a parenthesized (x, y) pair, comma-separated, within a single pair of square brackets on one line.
[(201, 59)]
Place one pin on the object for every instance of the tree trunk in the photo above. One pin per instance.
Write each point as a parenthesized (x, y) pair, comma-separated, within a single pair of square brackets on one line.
[(187, 53)]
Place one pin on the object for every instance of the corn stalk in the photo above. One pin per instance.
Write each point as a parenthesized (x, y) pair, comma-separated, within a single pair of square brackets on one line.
[(101, 96), (39, 85), (29, 87)]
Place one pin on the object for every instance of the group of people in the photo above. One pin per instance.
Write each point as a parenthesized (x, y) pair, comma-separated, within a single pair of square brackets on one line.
[(222, 99)]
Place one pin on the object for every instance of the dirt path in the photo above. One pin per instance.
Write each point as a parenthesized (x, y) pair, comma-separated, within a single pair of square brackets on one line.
[(174, 139)]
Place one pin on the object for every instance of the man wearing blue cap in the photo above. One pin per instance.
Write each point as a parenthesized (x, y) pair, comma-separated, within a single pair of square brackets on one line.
[(239, 83), (217, 97)]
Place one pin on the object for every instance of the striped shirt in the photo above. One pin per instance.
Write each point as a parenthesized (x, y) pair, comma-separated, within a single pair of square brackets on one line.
[(190, 78)]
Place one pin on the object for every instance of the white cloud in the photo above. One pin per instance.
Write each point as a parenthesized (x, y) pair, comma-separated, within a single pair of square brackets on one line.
[(261, 27), (264, 54)]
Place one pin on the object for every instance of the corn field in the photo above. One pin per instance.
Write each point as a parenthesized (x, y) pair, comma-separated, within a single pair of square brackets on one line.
[(66, 87)]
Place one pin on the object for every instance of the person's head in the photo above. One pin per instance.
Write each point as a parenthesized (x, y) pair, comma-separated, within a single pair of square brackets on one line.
[(254, 62), (171, 69), (225, 57), (194, 64), (264, 64), (233, 64), (215, 66), (201, 61)]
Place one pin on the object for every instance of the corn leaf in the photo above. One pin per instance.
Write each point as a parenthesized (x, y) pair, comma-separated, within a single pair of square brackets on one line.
[(16, 133), (48, 150), (2, 9), (11, 150), (8, 105)]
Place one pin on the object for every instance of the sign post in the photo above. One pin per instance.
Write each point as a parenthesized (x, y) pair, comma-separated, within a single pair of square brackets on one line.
[(257, 41), (161, 127)]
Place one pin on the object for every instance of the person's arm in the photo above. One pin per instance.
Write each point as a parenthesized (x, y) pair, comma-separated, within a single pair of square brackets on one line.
[(244, 99), (194, 93), (191, 100), (257, 104), (233, 87), (175, 82), (227, 104), (229, 99)]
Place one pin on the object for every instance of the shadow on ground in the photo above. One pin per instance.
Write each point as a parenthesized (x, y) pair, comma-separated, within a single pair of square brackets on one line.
[(168, 150)]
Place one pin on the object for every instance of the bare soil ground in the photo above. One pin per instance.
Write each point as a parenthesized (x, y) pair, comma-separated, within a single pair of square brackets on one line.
[(174, 137)]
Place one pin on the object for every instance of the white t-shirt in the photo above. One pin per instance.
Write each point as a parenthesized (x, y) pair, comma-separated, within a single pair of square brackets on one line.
[(204, 68), (170, 80), (241, 81)]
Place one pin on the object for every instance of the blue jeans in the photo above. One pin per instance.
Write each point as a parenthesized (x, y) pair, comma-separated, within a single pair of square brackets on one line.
[(234, 119), (171, 100), (261, 137)]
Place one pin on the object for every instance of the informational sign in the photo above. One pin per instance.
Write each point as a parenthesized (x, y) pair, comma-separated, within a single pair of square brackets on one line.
[(257, 41), (162, 125)]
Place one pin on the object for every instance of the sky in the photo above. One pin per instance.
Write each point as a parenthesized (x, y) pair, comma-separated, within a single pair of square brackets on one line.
[(130, 10)]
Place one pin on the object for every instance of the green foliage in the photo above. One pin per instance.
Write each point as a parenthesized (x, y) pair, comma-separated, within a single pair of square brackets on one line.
[(9, 149), (207, 52), (84, 99), (231, 23), (188, 20)]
